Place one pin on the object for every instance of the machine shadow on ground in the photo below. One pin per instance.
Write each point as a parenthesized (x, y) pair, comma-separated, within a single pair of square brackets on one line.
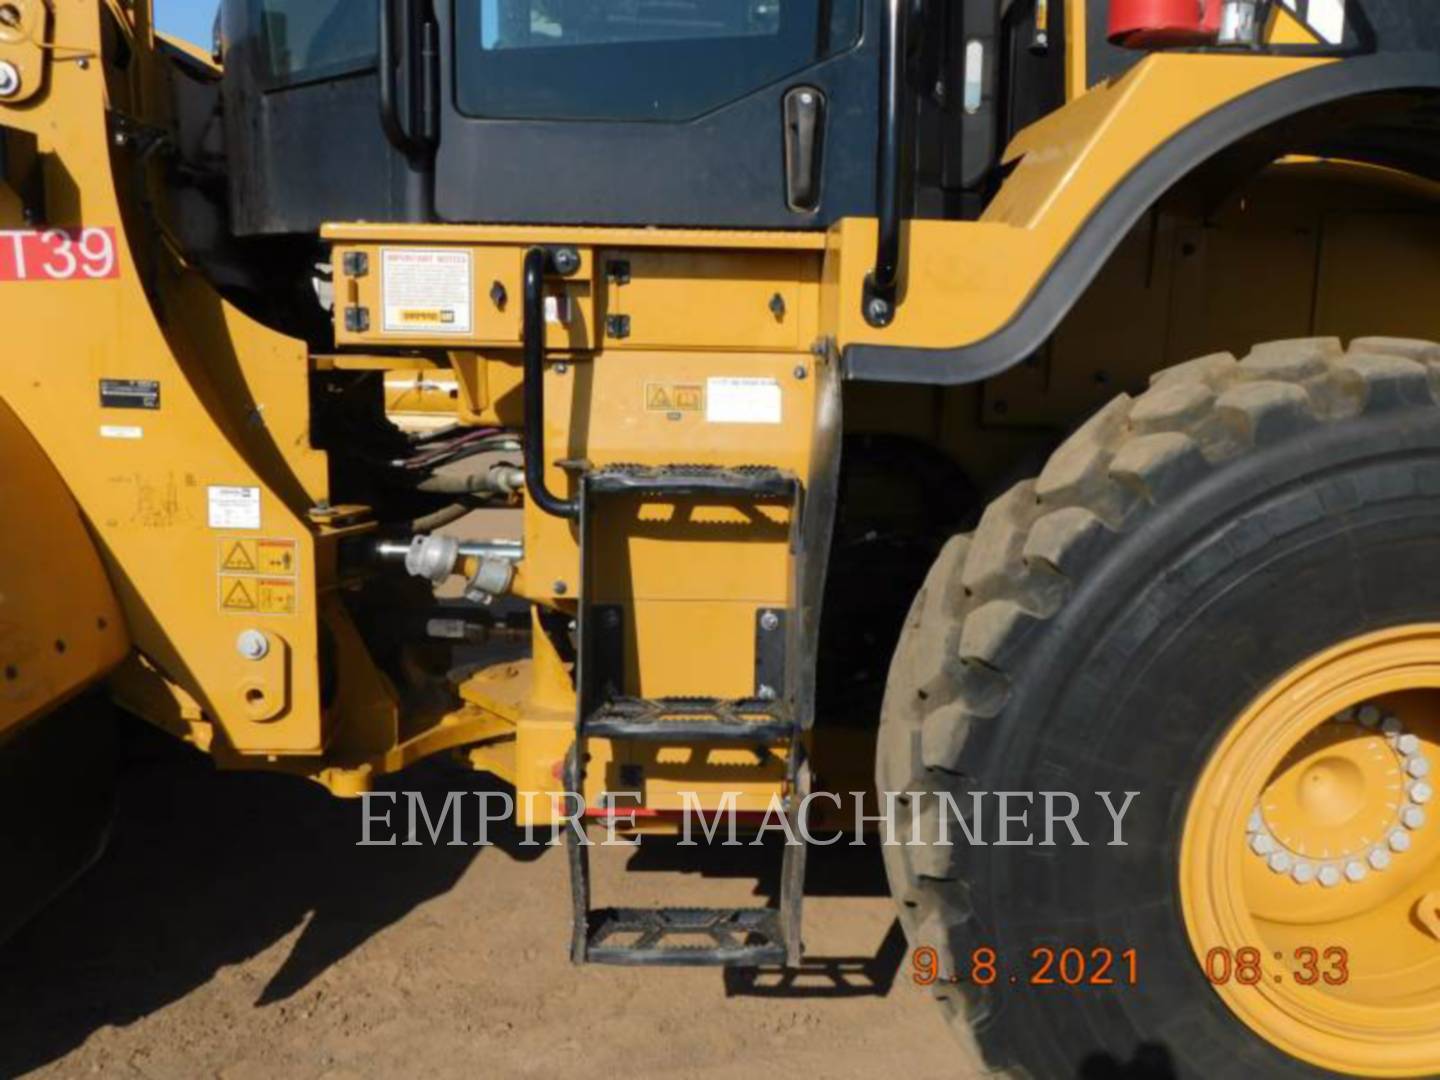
[(207, 869)]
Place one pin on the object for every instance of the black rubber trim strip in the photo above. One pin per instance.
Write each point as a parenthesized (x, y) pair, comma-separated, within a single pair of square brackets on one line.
[(1098, 238)]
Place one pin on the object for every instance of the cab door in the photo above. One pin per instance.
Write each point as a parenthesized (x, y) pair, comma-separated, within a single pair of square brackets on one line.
[(717, 113)]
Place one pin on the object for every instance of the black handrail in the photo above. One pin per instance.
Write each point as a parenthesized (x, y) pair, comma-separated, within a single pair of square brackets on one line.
[(533, 322), (400, 136), (882, 285)]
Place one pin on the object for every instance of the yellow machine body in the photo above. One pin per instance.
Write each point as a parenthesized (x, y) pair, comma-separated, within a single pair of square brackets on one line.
[(211, 513)]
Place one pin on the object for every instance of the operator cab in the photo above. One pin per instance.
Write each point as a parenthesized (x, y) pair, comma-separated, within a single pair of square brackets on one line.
[(716, 113)]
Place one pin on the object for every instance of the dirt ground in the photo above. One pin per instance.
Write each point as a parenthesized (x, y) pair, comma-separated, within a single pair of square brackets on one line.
[(234, 930)]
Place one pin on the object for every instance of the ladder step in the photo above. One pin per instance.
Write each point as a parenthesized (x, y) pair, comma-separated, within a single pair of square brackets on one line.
[(750, 721), (745, 481), (686, 937)]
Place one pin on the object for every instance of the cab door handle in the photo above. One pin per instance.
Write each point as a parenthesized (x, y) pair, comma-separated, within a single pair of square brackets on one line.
[(804, 144)]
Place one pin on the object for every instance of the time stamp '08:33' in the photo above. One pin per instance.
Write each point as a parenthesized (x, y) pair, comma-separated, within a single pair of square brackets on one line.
[(1049, 965)]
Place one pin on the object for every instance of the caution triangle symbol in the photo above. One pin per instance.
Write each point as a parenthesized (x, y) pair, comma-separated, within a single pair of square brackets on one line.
[(239, 598), (239, 558), (659, 399)]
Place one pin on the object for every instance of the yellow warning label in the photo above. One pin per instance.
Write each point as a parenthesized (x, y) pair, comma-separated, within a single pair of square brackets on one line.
[(267, 557), (259, 577), (237, 594), (674, 397), (258, 596)]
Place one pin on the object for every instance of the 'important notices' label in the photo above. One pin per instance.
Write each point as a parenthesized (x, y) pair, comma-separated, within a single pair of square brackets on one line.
[(743, 401), (427, 291), (234, 507)]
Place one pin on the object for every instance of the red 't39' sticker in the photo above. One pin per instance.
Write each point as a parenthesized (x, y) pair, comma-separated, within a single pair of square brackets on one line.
[(57, 255)]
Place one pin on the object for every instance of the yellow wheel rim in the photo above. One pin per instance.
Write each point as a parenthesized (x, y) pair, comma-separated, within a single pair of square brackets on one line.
[(1314, 827)]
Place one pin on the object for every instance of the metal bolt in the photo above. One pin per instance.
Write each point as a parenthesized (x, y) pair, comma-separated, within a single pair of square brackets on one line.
[(802, 372), (83, 63), (878, 311), (561, 369), (9, 79), (566, 261), (253, 645), (777, 306), (767, 693), (498, 295), (561, 588), (769, 621)]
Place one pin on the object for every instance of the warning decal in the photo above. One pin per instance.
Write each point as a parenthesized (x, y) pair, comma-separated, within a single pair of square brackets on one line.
[(258, 596), (258, 576), (674, 397), (427, 291)]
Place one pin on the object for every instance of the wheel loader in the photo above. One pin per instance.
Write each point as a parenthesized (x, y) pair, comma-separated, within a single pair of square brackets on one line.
[(932, 399)]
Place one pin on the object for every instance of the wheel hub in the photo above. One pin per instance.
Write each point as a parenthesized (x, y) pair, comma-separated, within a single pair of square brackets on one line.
[(1345, 801), (1309, 850)]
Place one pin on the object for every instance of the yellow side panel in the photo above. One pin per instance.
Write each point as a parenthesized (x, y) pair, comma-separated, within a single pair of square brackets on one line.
[(60, 627), (221, 453)]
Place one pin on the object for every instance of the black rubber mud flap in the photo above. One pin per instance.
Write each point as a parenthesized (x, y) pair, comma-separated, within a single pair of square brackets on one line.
[(57, 795)]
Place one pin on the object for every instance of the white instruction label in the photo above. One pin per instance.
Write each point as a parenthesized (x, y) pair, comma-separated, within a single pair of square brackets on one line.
[(427, 291), (116, 431), (743, 401), (234, 508)]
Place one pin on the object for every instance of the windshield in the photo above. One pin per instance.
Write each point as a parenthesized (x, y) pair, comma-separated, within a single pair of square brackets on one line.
[(636, 59)]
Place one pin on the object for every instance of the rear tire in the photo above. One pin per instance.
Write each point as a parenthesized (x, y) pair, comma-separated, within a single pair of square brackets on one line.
[(1100, 630)]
